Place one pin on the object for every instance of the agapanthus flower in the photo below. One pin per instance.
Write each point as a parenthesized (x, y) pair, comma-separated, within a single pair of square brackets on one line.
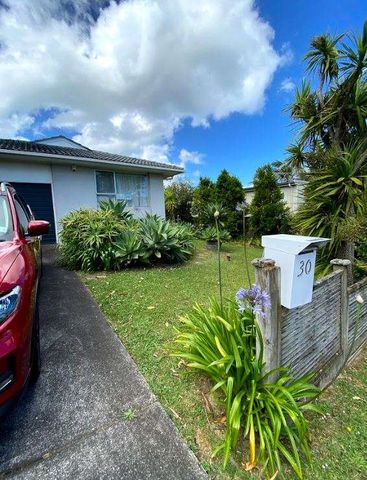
[(241, 294), (255, 298)]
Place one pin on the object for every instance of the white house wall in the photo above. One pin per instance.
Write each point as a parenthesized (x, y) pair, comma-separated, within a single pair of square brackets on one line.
[(72, 190), (293, 196), (157, 195), (25, 172)]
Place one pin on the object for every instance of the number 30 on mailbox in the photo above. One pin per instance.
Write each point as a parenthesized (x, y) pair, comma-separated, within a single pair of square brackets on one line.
[(296, 257)]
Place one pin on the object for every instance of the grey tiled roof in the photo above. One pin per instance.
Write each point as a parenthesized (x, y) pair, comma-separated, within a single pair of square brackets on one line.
[(87, 154)]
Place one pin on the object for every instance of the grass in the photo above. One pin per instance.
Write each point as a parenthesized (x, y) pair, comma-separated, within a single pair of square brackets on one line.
[(144, 305)]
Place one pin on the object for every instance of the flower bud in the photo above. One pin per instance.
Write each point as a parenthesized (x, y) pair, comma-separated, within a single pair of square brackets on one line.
[(359, 299), (216, 214)]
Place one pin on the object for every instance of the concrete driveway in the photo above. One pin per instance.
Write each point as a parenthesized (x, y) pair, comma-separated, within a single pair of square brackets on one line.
[(71, 424)]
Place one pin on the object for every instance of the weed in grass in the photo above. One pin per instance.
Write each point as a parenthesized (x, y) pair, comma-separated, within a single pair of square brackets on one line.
[(129, 414)]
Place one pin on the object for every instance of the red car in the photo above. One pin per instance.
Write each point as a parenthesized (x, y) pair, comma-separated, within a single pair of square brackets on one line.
[(20, 263)]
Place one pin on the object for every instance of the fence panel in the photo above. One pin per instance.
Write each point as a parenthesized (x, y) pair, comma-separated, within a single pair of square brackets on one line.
[(316, 337), (310, 335), (357, 315)]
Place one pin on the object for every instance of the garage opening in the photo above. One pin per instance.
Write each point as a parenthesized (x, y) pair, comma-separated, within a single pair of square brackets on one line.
[(39, 197)]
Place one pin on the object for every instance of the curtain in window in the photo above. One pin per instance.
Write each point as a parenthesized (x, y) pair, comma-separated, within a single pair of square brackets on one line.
[(133, 189)]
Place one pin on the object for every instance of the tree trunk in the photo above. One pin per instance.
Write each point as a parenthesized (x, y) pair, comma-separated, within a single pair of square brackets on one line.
[(346, 252)]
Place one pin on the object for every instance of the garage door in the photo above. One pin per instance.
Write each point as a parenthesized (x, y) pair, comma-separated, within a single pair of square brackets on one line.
[(39, 197)]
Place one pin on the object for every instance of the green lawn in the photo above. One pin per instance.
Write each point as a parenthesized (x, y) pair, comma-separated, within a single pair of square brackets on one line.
[(144, 306)]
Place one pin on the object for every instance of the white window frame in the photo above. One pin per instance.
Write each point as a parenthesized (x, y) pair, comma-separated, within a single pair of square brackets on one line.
[(113, 194)]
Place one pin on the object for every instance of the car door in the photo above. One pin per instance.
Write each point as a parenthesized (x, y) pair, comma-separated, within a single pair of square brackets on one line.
[(31, 250), (25, 215)]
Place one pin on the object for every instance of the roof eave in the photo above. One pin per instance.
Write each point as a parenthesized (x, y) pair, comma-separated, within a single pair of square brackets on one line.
[(91, 162)]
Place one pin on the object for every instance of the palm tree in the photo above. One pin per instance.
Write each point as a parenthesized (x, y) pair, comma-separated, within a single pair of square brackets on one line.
[(323, 58), (331, 146), (335, 194)]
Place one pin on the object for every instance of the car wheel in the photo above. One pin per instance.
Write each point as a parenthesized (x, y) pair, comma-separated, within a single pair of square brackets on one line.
[(35, 349)]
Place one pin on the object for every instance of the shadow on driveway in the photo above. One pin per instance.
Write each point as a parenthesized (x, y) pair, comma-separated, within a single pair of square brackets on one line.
[(71, 423)]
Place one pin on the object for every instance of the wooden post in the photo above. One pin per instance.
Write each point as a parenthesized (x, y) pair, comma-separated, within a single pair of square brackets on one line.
[(344, 266), (267, 276), (335, 368)]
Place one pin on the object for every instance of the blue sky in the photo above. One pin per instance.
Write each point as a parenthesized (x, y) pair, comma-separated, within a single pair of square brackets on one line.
[(242, 143), (200, 83)]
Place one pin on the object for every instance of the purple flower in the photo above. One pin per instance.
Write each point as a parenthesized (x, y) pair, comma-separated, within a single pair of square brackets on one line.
[(254, 298), (241, 294), (257, 309)]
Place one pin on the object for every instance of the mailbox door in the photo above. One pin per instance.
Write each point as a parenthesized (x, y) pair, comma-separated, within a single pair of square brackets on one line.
[(303, 277)]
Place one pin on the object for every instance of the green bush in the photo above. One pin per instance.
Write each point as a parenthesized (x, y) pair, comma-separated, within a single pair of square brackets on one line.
[(87, 239), (221, 343), (178, 200), (166, 241), (210, 235), (108, 239), (360, 264), (118, 207), (229, 192), (129, 249), (269, 213), (223, 195)]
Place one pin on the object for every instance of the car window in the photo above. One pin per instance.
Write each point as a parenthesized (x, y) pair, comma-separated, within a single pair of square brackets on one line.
[(6, 224), (23, 214)]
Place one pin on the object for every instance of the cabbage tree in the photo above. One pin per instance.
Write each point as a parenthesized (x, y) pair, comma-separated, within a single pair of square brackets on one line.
[(330, 149)]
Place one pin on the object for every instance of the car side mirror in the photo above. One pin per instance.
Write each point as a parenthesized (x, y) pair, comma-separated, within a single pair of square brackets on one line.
[(37, 227)]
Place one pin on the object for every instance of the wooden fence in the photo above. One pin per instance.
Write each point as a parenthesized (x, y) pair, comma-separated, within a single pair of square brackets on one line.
[(319, 336)]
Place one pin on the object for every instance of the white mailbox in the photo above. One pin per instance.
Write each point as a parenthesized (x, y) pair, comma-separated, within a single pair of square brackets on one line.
[(296, 257)]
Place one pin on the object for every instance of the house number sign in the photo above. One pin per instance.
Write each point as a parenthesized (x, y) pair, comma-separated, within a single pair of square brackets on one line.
[(305, 268)]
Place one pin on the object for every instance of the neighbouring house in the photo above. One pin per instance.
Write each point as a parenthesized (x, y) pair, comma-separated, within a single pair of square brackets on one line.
[(292, 191), (57, 175)]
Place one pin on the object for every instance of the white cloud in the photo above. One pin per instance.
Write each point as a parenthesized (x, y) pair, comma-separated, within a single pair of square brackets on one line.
[(286, 53), (15, 123), (127, 81), (287, 85), (186, 157)]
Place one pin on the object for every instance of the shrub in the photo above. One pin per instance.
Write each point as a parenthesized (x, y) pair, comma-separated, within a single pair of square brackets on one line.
[(208, 214), (269, 213), (165, 240), (87, 239), (178, 199), (118, 207), (210, 235), (204, 194), (129, 249), (100, 240), (229, 192), (221, 343), (361, 259)]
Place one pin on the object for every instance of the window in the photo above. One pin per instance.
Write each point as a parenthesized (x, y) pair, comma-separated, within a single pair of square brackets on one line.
[(6, 225), (134, 189), (23, 214)]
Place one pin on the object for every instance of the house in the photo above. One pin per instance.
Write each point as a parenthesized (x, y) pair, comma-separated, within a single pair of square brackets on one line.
[(57, 175), (291, 189)]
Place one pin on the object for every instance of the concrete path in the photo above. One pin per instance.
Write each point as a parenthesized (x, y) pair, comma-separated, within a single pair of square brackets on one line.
[(70, 425)]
